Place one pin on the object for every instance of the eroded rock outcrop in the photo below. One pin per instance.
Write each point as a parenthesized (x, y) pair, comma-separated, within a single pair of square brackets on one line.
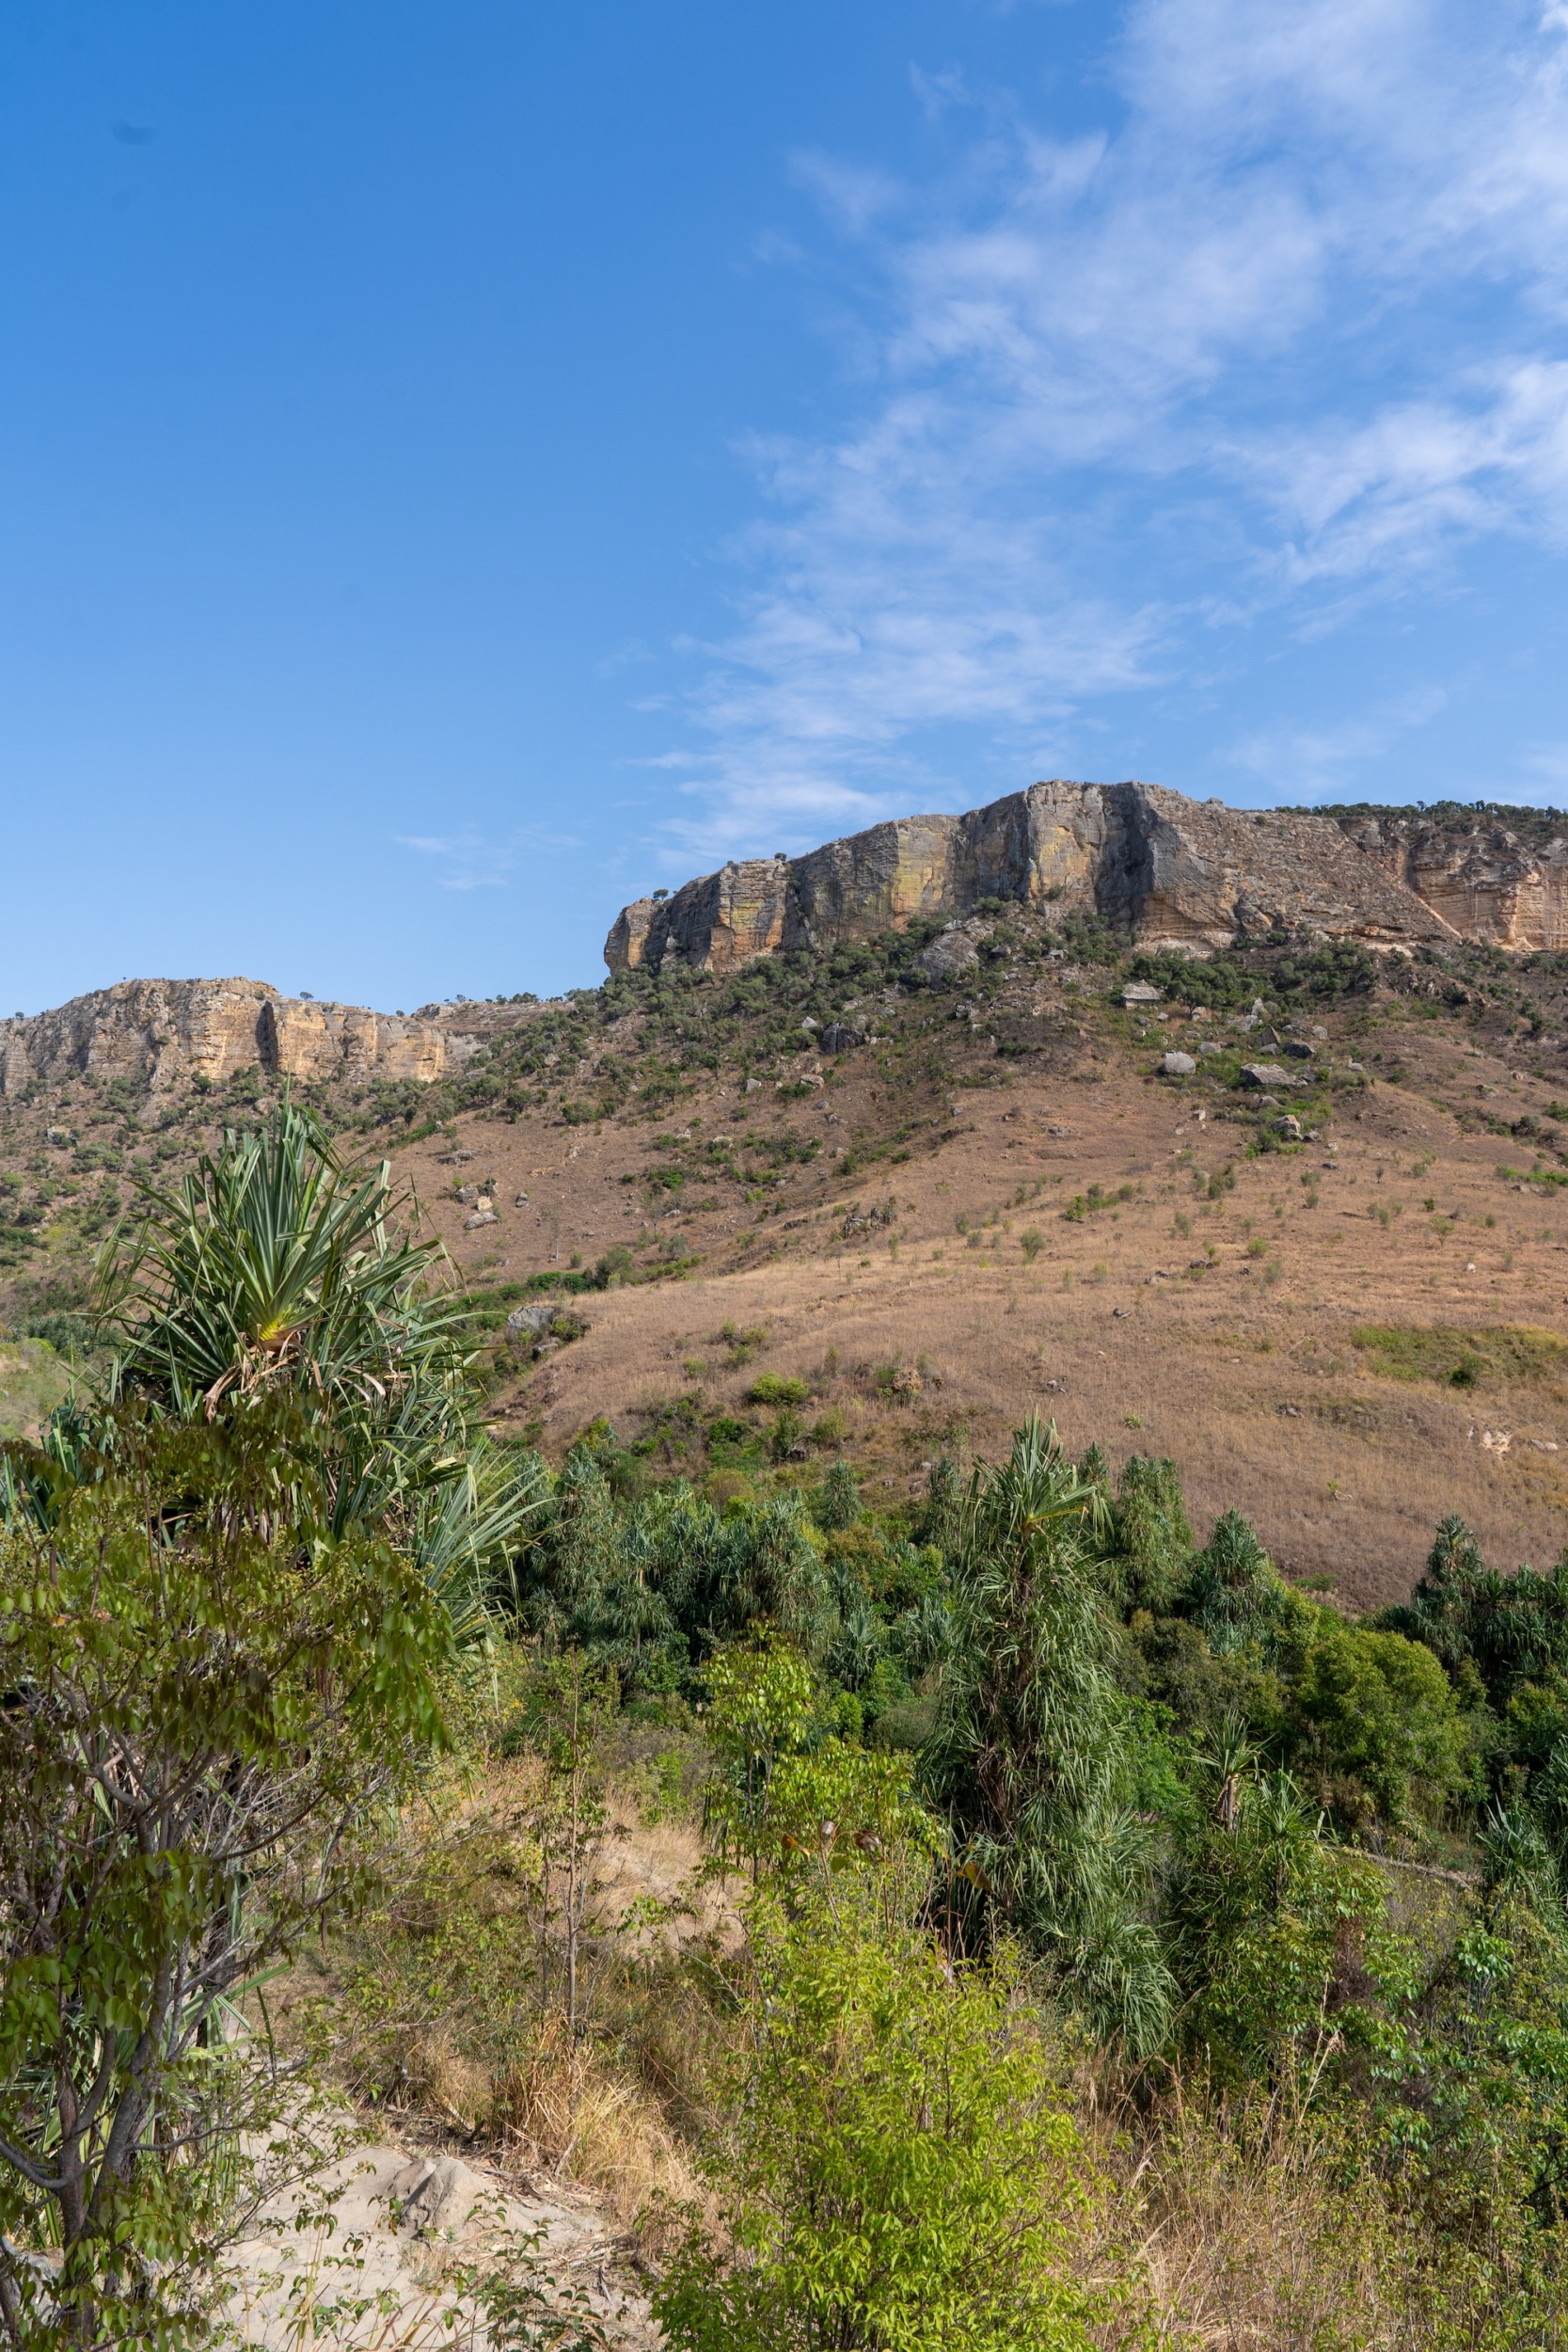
[(1162, 868), (164, 1033), (1487, 879)]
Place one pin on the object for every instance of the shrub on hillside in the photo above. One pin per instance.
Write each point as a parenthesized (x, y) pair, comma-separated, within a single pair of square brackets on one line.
[(899, 2167), (208, 1699)]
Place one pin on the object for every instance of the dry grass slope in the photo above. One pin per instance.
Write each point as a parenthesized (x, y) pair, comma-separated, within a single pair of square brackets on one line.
[(999, 1203)]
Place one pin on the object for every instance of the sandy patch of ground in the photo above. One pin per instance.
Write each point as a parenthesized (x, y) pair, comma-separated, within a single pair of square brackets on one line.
[(374, 2256)]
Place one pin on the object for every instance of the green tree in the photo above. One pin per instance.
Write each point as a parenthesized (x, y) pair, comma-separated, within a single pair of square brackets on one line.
[(1151, 1543), (207, 1694), (276, 1271), (900, 2173), (568, 1709), (761, 1706), (839, 1503), (1232, 1589), (1031, 1754), (1510, 1631)]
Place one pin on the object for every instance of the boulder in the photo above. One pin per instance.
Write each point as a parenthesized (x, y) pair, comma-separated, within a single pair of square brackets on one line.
[(1178, 1065), (839, 1035), (1265, 1074), (435, 2195), (1299, 1050), (949, 956)]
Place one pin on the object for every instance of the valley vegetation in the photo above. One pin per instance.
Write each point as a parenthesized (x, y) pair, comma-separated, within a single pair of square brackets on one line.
[(1070, 1932)]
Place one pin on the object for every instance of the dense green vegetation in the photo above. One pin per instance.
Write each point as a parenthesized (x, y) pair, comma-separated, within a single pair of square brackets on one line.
[(231, 1577), (1232, 1832), (1034, 1808)]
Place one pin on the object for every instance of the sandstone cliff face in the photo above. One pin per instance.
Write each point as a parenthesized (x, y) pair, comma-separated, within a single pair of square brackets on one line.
[(163, 1032), (1043, 843), (1480, 876), (1195, 873), (1165, 869)]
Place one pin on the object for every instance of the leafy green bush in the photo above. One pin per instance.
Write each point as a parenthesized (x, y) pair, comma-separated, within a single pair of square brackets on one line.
[(1373, 1724), (1220, 981), (774, 1387), (1272, 1931), (1460, 1358), (1337, 968), (900, 2169), (208, 1697)]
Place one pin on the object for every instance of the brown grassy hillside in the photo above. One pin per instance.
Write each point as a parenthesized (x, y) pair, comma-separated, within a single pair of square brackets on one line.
[(996, 1201)]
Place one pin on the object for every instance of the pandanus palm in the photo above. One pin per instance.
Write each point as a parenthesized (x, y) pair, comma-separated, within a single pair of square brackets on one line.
[(276, 1275), (270, 1265), (1030, 1752)]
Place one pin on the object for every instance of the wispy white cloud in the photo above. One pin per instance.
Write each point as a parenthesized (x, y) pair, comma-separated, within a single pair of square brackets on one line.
[(1317, 763), (466, 861), (1545, 775), (1292, 326), (469, 861)]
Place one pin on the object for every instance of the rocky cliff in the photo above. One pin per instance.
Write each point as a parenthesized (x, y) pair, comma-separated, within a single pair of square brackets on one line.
[(1491, 875), (1162, 868), (163, 1032)]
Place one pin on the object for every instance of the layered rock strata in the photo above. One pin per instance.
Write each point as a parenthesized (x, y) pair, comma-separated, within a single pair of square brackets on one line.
[(1162, 868), (161, 1033), (1481, 876)]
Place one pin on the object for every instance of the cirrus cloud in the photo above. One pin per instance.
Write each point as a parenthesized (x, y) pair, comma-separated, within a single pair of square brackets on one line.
[(1287, 331)]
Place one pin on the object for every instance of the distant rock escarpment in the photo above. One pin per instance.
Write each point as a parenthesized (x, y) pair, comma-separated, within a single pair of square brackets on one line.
[(161, 1033), (1489, 877), (1165, 870)]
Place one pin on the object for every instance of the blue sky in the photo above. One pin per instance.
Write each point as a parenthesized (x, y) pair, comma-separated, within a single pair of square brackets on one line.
[(462, 466)]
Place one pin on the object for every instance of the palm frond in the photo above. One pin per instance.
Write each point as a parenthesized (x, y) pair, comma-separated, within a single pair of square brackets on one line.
[(1029, 1752), (276, 1275)]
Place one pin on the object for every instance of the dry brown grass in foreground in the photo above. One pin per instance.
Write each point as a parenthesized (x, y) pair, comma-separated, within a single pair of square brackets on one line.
[(440, 2011)]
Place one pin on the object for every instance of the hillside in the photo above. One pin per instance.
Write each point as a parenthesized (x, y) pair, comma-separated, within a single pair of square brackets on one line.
[(812, 1232), (941, 1175)]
